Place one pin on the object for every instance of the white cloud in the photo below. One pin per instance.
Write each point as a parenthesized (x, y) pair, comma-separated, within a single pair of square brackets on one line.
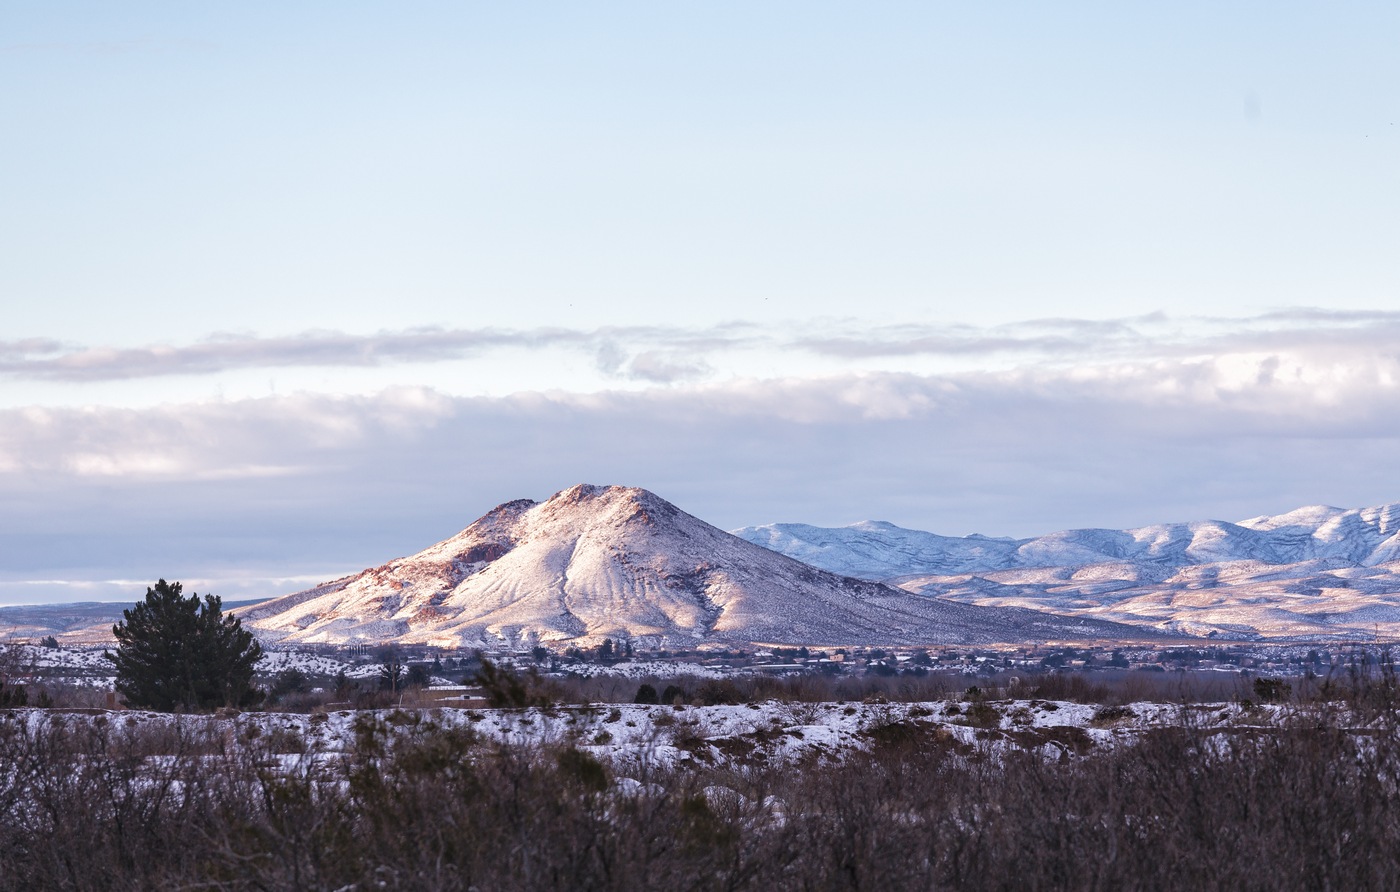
[(285, 486), (667, 355)]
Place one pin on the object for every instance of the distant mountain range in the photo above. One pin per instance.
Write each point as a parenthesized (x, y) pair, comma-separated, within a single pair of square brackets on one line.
[(596, 562), (73, 623), (1317, 572)]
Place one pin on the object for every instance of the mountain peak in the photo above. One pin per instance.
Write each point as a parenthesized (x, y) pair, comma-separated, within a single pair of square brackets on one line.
[(586, 493), (1308, 515), (594, 562), (581, 492)]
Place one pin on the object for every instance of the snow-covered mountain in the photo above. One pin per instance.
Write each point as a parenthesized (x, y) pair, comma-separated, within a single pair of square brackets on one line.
[(595, 562), (1315, 572)]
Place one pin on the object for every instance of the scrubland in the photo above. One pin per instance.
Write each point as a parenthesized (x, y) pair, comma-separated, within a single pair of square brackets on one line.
[(979, 790)]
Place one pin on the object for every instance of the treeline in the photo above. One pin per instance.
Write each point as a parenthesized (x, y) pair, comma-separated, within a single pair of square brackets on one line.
[(1109, 687), (90, 802), (400, 683), (295, 691)]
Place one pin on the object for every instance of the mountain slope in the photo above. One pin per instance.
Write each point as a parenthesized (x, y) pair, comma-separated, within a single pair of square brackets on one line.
[(1316, 572), (595, 562)]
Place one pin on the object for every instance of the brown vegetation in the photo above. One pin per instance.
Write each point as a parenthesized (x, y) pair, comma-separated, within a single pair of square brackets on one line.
[(92, 800), (106, 802)]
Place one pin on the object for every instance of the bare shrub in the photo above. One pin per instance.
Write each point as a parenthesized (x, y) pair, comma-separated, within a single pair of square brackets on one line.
[(114, 801)]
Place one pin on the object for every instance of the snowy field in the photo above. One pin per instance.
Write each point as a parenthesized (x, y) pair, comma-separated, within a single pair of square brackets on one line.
[(87, 667), (769, 733)]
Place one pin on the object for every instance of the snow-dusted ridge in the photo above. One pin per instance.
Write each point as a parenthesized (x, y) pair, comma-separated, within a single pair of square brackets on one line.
[(594, 562), (1316, 572)]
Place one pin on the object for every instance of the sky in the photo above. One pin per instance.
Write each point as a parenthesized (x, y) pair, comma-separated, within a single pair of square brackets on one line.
[(291, 289)]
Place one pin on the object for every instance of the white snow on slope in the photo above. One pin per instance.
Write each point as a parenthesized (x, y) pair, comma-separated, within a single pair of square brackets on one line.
[(1317, 572), (598, 562)]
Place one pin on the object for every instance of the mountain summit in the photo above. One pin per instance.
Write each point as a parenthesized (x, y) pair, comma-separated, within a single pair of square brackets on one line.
[(595, 562)]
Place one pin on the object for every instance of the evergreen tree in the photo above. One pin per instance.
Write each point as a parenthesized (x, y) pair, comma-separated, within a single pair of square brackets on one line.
[(418, 676), (175, 652), (344, 686), (289, 681)]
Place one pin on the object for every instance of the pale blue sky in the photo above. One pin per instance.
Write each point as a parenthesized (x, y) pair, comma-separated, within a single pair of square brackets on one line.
[(172, 170), (293, 257)]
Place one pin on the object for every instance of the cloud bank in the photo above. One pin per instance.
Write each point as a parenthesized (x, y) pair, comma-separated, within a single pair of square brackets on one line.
[(1233, 422), (52, 360), (671, 354)]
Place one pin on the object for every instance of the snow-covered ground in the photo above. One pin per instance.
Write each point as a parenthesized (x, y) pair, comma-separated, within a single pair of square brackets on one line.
[(275, 661), (69, 658), (642, 669), (628, 735), (87, 667)]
